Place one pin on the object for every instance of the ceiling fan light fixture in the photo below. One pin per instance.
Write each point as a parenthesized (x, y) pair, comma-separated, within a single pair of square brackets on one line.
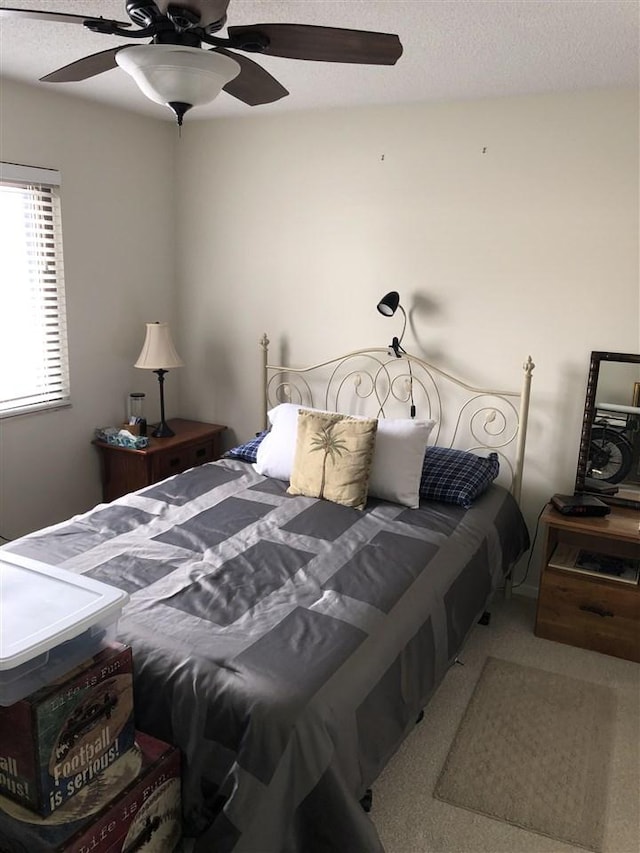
[(173, 74)]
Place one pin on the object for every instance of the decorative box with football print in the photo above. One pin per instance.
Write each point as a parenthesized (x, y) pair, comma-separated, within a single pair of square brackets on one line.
[(56, 741), (133, 805)]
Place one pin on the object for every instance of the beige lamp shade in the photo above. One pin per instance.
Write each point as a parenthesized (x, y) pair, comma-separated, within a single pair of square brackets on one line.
[(158, 351)]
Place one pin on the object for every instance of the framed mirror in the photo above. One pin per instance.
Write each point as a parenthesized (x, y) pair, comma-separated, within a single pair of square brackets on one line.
[(609, 456)]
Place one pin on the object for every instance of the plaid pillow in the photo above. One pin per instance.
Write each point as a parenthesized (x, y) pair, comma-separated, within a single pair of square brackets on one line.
[(456, 476), (246, 452)]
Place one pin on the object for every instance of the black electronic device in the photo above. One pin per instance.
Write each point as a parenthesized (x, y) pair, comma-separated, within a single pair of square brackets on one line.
[(580, 505)]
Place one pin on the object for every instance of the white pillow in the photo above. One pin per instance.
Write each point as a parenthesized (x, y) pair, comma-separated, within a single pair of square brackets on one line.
[(277, 449), (397, 459)]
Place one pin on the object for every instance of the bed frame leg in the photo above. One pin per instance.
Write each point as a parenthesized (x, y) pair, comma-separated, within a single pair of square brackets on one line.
[(485, 619), (508, 586), (367, 801)]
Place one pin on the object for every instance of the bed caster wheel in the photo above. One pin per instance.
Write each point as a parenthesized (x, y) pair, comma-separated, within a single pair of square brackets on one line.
[(367, 801), (420, 717), (485, 618)]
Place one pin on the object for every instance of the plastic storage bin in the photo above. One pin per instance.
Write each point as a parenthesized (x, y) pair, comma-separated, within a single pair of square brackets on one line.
[(51, 620)]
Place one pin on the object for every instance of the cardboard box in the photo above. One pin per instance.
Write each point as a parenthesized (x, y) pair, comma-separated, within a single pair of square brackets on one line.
[(56, 741), (134, 805)]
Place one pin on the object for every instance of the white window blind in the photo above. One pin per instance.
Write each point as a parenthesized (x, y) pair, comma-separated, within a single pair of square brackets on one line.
[(33, 338)]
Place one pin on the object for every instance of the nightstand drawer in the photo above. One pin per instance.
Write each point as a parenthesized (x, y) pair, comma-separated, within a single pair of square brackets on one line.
[(590, 614), (182, 458)]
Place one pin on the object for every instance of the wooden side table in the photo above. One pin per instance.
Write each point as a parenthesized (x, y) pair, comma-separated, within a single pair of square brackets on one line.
[(594, 611), (126, 470)]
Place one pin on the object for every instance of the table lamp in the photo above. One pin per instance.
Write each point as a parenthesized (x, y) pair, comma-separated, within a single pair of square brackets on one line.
[(159, 354)]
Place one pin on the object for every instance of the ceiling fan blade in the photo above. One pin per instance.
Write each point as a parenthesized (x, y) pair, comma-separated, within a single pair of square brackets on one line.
[(324, 44), (86, 67), (253, 85), (55, 17)]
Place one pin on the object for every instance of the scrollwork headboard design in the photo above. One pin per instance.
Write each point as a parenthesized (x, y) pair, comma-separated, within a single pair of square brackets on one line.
[(375, 383)]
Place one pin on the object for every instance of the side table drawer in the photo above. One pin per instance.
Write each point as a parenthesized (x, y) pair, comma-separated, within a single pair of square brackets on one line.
[(201, 453), (180, 459), (592, 615)]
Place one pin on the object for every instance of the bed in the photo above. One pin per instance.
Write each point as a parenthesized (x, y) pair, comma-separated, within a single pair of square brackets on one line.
[(287, 643)]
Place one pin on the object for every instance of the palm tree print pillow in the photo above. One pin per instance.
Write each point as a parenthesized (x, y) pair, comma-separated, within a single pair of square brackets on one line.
[(333, 457)]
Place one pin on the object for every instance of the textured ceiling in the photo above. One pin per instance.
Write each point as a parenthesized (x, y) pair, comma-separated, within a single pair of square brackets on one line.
[(453, 49)]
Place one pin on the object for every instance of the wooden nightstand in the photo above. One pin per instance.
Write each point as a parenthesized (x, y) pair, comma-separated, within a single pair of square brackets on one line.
[(591, 611), (125, 470)]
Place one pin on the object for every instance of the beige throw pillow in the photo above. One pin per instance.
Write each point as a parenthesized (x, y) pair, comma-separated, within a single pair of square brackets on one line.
[(333, 457)]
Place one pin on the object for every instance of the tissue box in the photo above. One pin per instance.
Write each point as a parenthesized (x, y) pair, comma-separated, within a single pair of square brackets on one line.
[(133, 805), (57, 740), (139, 429)]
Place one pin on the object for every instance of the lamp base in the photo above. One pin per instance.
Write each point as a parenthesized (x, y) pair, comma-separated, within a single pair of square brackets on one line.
[(163, 430)]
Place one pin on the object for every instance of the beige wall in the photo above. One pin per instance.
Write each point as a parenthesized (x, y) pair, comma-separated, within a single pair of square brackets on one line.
[(509, 226), (118, 221)]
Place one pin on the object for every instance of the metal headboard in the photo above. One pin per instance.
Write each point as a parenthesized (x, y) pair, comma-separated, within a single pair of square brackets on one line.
[(376, 383)]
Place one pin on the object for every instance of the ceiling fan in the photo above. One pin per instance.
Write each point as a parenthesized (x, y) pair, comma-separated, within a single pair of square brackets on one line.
[(179, 70)]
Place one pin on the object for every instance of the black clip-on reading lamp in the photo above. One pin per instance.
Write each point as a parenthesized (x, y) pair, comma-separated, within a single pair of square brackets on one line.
[(388, 306)]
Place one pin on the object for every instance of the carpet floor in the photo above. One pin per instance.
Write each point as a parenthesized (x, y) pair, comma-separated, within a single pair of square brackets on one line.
[(412, 819)]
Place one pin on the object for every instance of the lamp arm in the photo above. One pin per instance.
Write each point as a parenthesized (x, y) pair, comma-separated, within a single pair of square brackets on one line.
[(396, 343), (404, 324)]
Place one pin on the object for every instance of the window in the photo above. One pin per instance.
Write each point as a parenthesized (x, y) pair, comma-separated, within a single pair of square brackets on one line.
[(33, 328)]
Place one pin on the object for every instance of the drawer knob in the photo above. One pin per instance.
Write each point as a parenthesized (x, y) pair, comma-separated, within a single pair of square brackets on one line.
[(593, 608)]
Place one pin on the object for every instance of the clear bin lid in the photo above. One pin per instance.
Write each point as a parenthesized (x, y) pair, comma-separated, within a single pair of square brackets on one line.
[(42, 606)]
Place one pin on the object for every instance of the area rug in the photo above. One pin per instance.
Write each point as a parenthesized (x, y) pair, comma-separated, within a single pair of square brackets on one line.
[(533, 749)]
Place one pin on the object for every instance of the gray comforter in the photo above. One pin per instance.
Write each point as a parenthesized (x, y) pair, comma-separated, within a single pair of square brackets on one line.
[(285, 644)]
